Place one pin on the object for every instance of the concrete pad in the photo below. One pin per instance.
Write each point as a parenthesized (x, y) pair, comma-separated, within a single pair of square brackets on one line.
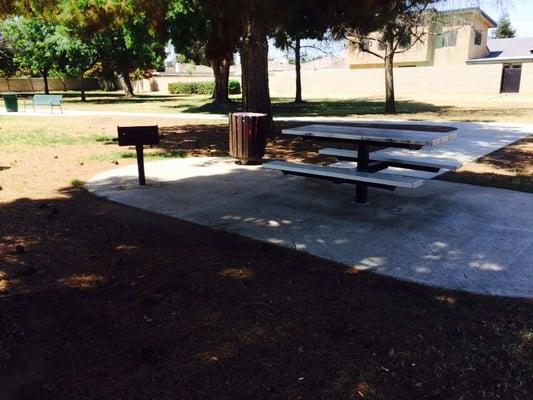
[(443, 234)]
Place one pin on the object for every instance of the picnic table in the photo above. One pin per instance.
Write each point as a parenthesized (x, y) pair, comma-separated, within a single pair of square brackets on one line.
[(369, 164)]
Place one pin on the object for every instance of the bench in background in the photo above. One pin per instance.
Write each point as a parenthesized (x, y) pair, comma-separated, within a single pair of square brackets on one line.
[(52, 100)]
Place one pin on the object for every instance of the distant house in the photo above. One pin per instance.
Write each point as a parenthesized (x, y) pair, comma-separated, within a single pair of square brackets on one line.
[(458, 41), (512, 54)]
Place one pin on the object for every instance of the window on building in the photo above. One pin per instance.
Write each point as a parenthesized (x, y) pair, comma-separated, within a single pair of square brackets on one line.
[(478, 39), (381, 46), (449, 39)]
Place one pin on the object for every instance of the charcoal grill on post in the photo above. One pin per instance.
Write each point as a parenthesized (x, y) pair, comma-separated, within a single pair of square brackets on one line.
[(247, 136), (138, 136)]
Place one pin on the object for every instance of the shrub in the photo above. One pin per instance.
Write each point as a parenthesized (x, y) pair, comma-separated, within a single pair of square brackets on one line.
[(234, 87), (201, 87), (191, 87)]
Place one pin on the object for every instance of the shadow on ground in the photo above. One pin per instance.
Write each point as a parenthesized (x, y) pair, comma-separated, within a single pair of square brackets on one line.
[(282, 107), (113, 98), (119, 303)]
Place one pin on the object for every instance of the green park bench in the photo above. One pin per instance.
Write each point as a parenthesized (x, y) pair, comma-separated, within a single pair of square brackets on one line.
[(52, 100)]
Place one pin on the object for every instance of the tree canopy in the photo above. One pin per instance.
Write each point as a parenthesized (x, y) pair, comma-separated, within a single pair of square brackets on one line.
[(206, 32), (300, 21), (504, 29), (35, 45)]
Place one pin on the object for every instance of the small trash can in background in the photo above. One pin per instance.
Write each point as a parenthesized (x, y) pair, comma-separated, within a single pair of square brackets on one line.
[(247, 136), (10, 101)]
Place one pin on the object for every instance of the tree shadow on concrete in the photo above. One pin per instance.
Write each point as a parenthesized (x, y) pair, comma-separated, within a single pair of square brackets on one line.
[(115, 302)]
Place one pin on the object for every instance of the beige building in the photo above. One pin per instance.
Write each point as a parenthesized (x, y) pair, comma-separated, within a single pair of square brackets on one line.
[(456, 51), (453, 38)]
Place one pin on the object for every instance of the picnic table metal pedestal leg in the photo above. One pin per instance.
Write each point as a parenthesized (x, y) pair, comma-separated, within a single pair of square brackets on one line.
[(363, 160), (140, 163)]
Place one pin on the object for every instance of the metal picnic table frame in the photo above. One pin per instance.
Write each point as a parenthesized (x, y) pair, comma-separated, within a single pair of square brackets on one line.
[(364, 138)]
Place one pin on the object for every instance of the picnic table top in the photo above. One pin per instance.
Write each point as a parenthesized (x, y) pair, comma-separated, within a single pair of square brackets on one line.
[(377, 134)]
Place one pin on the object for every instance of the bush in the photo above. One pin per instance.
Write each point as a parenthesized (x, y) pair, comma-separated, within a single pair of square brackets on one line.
[(234, 87), (191, 87), (201, 87)]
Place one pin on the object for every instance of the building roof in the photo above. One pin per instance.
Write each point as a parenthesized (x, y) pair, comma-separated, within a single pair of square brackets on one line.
[(471, 10), (507, 50)]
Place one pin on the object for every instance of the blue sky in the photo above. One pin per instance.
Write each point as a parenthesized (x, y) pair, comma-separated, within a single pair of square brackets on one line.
[(520, 12)]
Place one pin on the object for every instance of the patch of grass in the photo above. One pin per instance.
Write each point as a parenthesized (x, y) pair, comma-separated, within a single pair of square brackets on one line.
[(43, 137), (155, 155), (105, 139), (77, 183)]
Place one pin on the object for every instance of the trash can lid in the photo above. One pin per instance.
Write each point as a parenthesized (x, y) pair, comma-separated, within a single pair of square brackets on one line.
[(249, 114)]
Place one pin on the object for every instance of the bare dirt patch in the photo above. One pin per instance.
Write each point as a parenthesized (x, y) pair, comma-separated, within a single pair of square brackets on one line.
[(510, 167)]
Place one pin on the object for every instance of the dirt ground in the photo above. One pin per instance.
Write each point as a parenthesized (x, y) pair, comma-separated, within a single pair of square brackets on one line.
[(100, 301)]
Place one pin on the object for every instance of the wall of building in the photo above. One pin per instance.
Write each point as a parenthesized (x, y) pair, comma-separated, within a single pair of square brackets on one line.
[(449, 79), (54, 84), (526, 83), (481, 51), (351, 83), (431, 51), (419, 54), (452, 55)]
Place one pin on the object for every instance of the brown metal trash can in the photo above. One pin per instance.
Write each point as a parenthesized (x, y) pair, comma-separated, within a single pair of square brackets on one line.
[(247, 136)]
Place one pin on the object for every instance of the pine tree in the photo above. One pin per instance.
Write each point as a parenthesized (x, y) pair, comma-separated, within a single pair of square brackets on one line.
[(504, 29)]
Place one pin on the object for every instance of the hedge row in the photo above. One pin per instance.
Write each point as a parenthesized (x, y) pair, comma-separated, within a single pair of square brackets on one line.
[(201, 87)]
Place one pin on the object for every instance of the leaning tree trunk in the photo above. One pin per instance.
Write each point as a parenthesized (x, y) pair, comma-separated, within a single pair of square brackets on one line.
[(127, 82), (254, 61), (390, 101), (298, 65), (221, 72), (45, 79)]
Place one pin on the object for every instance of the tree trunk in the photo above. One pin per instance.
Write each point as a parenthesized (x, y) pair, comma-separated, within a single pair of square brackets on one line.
[(127, 82), (108, 78), (45, 79), (82, 89), (221, 72), (390, 101), (254, 61), (298, 65)]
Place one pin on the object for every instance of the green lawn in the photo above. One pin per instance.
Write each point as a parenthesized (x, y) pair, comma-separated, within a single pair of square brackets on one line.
[(465, 108)]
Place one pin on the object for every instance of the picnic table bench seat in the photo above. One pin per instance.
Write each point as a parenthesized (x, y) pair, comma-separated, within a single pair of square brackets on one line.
[(370, 168), (345, 174), (52, 100), (411, 162)]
